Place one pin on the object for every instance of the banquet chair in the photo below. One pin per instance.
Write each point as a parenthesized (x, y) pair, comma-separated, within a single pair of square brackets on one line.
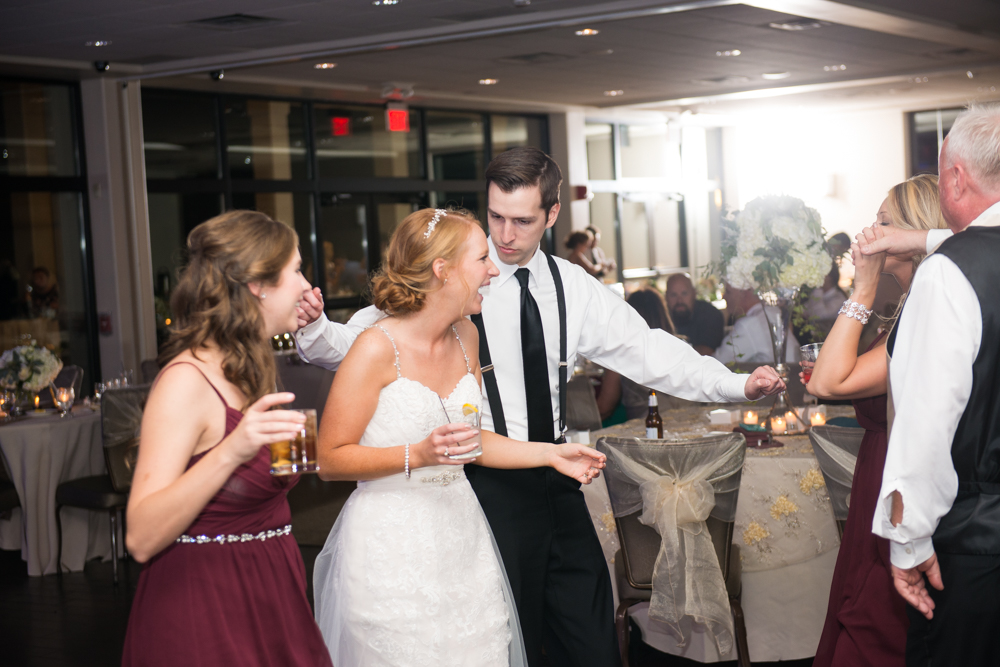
[(640, 544), (836, 449), (582, 413), (121, 417)]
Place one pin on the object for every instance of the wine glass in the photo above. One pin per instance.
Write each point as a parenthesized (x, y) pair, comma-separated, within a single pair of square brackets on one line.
[(64, 399)]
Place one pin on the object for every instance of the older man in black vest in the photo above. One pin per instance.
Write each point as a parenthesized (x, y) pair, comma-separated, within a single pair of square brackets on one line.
[(941, 484)]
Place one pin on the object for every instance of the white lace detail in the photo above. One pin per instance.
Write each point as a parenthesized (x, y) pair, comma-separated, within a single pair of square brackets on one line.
[(410, 574)]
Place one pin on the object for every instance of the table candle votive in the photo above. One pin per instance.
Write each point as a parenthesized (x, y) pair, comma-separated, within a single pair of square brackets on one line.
[(750, 417)]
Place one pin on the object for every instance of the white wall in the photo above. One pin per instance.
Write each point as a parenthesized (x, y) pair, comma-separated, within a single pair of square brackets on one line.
[(840, 164)]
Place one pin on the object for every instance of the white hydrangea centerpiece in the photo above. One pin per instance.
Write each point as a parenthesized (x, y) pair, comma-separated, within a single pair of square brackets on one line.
[(28, 368), (775, 242)]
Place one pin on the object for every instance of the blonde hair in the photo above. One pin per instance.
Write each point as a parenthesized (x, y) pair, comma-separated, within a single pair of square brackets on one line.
[(405, 279), (914, 204), (213, 302)]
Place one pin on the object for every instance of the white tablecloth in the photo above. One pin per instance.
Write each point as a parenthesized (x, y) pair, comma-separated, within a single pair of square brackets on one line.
[(42, 453), (788, 541)]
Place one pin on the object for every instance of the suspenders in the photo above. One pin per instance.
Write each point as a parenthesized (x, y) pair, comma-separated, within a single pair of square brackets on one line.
[(489, 374)]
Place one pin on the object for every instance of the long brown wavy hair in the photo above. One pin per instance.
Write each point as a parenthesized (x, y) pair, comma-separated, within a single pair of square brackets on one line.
[(213, 303)]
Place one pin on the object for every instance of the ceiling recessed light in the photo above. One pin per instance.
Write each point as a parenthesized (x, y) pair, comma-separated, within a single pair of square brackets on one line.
[(834, 68), (775, 76), (613, 93), (587, 32), (98, 42), (324, 65), (728, 54), (488, 82), (795, 26)]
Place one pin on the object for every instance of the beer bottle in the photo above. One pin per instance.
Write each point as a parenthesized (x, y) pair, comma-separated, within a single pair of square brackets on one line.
[(654, 424)]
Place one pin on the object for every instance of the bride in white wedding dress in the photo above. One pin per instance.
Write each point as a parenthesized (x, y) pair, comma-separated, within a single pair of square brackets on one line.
[(410, 574)]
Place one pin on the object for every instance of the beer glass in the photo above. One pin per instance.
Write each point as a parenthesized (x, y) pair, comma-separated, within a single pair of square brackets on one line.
[(290, 457)]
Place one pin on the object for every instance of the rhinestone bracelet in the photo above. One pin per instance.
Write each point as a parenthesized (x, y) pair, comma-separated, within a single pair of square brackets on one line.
[(225, 539), (856, 310), (406, 461)]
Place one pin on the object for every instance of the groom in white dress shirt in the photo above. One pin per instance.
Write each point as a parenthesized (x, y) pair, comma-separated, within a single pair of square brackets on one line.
[(941, 483), (549, 547)]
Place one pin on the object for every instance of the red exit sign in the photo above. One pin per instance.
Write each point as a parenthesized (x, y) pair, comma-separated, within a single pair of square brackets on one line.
[(397, 118), (340, 126)]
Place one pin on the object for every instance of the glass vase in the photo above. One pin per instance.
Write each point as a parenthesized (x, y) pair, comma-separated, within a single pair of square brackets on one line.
[(778, 312)]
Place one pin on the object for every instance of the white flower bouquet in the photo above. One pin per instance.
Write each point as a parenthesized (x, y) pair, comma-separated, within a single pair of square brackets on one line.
[(28, 368), (775, 242)]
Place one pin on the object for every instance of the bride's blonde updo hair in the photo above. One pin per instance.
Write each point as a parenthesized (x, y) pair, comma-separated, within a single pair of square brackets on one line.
[(212, 301), (407, 274)]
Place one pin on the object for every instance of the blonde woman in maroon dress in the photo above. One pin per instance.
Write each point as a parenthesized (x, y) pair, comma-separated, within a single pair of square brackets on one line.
[(223, 582), (866, 619)]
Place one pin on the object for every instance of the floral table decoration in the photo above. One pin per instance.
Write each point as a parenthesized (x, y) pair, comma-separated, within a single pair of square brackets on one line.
[(775, 246), (26, 370)]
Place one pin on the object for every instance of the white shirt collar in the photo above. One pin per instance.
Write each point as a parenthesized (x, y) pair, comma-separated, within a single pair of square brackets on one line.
[(988, 218), (508, 270)]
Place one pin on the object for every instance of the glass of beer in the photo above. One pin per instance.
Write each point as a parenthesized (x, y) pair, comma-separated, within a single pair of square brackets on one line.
[(290, 457), (470, 415)]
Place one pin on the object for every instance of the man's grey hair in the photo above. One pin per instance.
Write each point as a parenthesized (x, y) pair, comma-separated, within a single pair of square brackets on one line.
[(974, 140)]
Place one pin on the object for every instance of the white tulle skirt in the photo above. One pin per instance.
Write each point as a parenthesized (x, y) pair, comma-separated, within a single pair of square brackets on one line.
[(411, 575)]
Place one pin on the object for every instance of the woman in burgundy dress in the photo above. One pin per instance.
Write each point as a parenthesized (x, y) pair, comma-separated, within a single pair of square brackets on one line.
[(866, 619), (224, 582)]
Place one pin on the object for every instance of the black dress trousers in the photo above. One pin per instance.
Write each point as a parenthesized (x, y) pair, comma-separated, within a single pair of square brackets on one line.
[(554, 562), (965, 629)]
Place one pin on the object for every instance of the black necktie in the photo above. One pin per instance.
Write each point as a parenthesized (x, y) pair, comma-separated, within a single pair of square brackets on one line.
[(536, 366)]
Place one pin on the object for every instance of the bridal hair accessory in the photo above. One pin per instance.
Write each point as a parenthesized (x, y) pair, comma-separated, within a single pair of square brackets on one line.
[(856, 310), (438, 214)]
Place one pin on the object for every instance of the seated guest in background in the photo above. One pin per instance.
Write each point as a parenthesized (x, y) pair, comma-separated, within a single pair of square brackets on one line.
[(938, 502), (578, 243), (622, 399), (699, 321), (750, 339), (866, 620), (597, 255), (204, 465), (43, 293)]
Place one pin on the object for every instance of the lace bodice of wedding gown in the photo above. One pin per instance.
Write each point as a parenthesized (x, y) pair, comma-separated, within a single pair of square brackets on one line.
[(410, 574)]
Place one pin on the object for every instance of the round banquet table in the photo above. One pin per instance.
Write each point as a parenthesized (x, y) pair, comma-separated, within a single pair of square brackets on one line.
[(41, 453), (786, 532)]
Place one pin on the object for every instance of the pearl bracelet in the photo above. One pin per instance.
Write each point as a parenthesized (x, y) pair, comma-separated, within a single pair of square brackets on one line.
[(406, 461), (856, 310)]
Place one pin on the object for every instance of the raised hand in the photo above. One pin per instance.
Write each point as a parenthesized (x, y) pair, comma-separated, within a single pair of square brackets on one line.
[(910, 584), (867, 268), (443, 442), (310, 307), (261, 426), (579, 462), (763, 382), (903, 243)]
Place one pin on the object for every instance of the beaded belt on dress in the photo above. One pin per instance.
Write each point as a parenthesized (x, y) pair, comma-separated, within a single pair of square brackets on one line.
[(245, 537)]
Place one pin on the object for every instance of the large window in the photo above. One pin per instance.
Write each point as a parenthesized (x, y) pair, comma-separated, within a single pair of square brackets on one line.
[(927, 132), (635, 178), (335, 172), (45, 281)]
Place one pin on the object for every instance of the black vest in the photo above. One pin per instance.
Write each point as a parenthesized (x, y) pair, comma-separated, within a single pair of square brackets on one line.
[(972, 526)]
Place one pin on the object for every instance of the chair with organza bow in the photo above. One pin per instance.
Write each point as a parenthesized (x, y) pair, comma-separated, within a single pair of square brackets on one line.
[(836, 449), (674, 505)]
